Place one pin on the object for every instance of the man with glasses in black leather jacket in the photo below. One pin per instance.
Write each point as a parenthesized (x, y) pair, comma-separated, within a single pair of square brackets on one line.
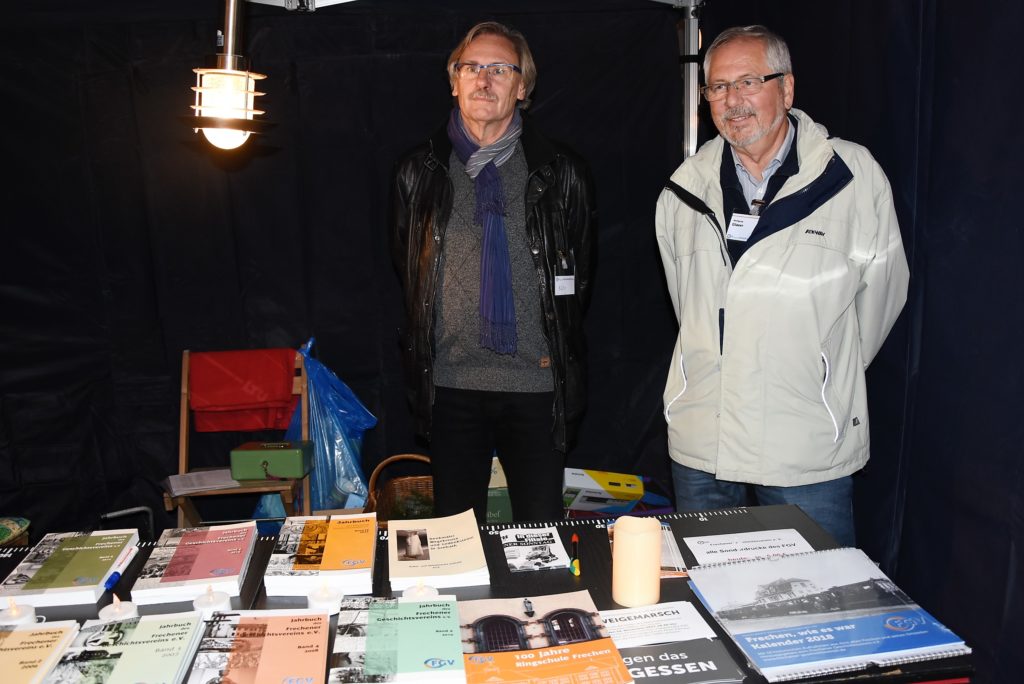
[(493, 240)]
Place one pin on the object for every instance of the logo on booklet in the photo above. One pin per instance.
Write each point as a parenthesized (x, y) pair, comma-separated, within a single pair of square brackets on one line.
[(438, 663), (903, 623)]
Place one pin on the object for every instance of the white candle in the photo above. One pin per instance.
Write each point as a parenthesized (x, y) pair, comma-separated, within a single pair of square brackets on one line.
[(119, 610), (636, 561), (16, 614), (210, 601), (421, 592), (324, 598)]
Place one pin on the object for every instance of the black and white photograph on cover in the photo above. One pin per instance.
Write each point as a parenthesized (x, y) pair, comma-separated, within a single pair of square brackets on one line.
[(413, 545), (94, 663), (529, 622), (107, 634), (301, 542), (348, 658), (797, 592), (85, 667)]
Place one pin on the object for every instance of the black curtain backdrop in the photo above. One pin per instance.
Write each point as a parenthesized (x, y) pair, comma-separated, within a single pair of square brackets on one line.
[(127, 239)]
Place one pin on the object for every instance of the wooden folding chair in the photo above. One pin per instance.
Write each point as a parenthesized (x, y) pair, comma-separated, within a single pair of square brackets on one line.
[(288, 489)]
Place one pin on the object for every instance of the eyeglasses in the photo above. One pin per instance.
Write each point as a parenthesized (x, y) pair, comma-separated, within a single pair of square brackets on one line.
[(748, 85), (498, 71)]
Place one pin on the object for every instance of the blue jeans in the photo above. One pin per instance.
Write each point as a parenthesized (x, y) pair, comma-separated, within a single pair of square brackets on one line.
[(830, 504)]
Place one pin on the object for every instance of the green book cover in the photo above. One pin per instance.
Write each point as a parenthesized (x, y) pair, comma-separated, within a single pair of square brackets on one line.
[(404, 639), (155, 649), (80, 561), (68, 568)]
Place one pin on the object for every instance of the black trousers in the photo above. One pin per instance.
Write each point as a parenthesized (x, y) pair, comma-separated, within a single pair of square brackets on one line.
[(471, 426)]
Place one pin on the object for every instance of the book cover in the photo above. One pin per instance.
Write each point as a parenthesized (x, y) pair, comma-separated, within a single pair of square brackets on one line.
[(315, 550), (348, 654), (28, 652), (413, 641), (533, 548), (187, 561), (439, 552), (554, 637), (263, 647), (672, 642), (68, 568), (741, 546), (698, 661), (154, 649), (819, 613)]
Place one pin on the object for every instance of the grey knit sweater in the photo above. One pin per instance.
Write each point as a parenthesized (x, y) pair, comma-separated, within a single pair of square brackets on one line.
[(460, 361)]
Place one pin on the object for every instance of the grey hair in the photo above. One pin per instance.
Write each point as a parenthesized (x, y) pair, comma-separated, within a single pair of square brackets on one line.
[(518, 41), (776, 51)]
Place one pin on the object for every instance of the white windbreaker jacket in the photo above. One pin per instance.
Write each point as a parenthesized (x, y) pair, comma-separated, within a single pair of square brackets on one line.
[(767, 383)]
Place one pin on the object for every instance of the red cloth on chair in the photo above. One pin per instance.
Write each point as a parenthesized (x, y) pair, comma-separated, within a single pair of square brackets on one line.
[(242, 390)]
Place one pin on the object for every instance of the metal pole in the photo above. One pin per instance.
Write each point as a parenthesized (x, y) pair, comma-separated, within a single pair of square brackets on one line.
[(228, 60), (689, 49)]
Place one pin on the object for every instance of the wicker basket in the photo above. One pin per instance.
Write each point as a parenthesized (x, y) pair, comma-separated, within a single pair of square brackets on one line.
[(409, 496)]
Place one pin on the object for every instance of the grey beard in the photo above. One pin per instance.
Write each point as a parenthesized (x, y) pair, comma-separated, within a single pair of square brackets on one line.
[(756, 135)]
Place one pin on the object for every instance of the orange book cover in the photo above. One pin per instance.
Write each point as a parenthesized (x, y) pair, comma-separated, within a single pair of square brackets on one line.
[(351, 541), (263, 647), (549, 638)]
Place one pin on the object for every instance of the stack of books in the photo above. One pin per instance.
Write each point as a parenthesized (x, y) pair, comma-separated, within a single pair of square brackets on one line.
[(187, 562), (263, 646), (437, 552), (69, 568), (156, 649), (317, 551), (29, 651)]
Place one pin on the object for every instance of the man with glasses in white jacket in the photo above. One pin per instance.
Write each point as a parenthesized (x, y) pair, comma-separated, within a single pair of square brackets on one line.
[(786, 270)]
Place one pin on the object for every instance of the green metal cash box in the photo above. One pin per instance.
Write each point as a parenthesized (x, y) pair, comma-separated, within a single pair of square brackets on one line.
[(271, 460)]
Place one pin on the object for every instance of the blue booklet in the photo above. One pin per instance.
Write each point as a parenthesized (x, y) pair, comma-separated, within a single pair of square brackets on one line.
[(819, 613)]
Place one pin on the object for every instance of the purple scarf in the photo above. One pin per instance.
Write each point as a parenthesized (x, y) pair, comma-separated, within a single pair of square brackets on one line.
[(497, 306)]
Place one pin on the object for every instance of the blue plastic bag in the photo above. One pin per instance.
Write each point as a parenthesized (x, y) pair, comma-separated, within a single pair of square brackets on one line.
[(337, 421)]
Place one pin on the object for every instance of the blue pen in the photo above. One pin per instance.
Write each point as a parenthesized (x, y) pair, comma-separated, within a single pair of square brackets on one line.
[(115, 576)]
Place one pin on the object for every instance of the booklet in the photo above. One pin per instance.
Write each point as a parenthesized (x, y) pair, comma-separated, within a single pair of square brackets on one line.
[(550, 638), (315, 551), (28, 652), (438, 552), (533, 548), (187, 561), (410, 641), (263, 646), (672, 642), (740, 546), (819, 613), (155, 649), (69, 568)]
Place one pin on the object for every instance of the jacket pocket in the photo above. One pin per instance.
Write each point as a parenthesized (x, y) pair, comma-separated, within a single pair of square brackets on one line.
[(832, 398)]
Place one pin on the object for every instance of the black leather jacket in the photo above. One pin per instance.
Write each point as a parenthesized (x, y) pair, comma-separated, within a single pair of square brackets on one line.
[(560, 222)]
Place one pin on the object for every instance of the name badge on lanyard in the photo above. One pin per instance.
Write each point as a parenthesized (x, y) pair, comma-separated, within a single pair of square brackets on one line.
[(741, 226)]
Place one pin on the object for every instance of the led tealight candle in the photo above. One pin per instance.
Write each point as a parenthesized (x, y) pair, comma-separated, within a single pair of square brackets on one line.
[(636, 561), (421, 592), (210, 601), (16, 614), (324, 598), (119, 610)]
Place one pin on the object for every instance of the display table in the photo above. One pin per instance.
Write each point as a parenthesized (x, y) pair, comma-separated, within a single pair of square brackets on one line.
[(595, 576)]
